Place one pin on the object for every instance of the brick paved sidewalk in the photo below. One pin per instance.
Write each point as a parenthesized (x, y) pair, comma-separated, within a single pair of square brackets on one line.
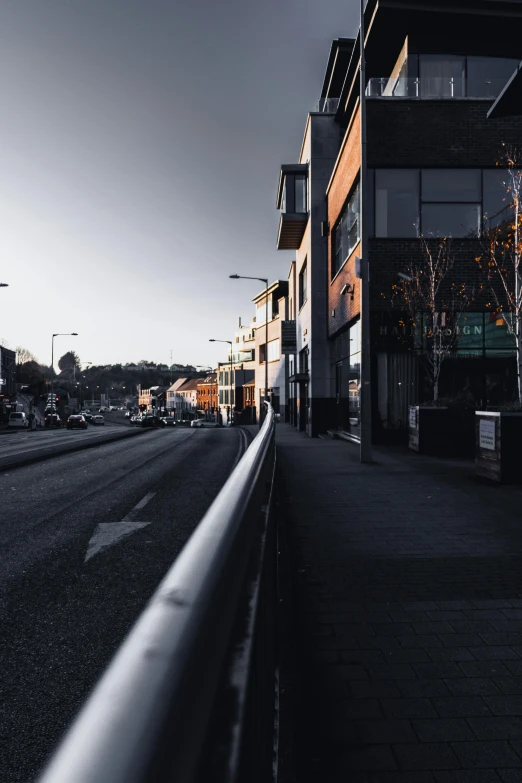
[(407, 582)]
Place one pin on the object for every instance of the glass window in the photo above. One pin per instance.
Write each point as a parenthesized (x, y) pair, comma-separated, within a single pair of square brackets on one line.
[(303, 285), (396, 202), (497, 207), (354, 380), (441, 76), (451, 185), (488, 75), (346, 232), (274, 350), (300, 193), (450, 220)]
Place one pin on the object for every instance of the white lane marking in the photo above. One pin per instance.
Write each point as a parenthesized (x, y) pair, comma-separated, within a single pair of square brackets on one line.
[(108, 533)]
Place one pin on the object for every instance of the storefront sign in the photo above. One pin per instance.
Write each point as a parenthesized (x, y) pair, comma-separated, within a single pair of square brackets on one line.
[(288, 337), (413, 417), (487, 434)]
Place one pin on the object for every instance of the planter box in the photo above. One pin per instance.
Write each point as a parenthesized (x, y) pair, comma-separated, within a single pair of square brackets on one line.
[(441, 431), (498, 446)]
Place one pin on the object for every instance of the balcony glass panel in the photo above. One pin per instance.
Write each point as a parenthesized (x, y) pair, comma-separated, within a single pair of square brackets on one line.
[(442, 76)]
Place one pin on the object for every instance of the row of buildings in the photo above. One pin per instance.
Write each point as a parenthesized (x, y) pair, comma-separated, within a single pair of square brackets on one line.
[(434, 169)]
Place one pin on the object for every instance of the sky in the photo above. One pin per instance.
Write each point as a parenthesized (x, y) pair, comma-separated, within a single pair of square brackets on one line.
[(140, 146)]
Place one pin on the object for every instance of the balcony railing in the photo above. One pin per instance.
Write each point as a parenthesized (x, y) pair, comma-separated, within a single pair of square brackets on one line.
[(327, 105), (434, 87)]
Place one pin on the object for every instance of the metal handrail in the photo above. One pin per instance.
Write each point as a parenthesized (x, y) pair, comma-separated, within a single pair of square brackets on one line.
[(147, 718)]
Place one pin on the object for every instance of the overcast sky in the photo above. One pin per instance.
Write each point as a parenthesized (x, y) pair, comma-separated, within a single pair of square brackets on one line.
[(140, 145)]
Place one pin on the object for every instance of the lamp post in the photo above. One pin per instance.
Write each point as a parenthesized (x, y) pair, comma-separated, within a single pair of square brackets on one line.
[(265, 281), (230, 379), (57, 334)]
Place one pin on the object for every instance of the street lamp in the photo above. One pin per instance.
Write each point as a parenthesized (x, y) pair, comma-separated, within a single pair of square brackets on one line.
[(230, 343), (57, 334), (265, 281)]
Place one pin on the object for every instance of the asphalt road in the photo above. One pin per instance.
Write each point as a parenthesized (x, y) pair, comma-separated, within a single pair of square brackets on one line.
[(85, 539)]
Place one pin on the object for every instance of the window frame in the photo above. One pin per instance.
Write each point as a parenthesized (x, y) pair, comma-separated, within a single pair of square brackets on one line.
[(355, 191), (303, 275)]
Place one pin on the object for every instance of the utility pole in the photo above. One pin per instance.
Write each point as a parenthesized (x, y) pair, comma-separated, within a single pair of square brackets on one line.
[(365, 453)]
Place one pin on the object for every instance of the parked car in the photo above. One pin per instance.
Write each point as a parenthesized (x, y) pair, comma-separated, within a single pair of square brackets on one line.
[(167, 421), (76, 422), (198, 423), (113, 407), (18, 420), (52, 420), (98, 419)]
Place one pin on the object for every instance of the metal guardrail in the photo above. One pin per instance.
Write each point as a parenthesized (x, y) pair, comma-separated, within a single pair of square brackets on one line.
[(152, 715)]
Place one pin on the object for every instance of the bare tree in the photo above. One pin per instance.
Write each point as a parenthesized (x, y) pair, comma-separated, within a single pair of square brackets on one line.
[(501, 260), (23, 355), (434, 301)]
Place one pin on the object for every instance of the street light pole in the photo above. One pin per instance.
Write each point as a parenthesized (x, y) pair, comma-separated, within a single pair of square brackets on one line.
[(265, 281), (230, 379), (365, 453)]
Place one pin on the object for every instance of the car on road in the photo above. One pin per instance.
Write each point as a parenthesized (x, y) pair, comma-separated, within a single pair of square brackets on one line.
[(98, 419), (52, 420), (113, 407), (198, 423), (168, 421), (76, 422), (150, 421), (88, 416), (129, 414), (18, 419)]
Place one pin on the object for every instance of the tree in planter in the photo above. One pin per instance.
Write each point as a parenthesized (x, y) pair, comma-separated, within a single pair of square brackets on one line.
[(501, 260), (435, 302)]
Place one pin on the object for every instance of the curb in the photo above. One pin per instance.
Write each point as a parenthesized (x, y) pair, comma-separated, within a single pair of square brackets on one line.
[(28, 459)]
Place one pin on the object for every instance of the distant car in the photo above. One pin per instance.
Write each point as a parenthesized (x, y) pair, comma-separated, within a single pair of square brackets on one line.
[(129, 414), (76, 422), (18, 420), (103, 408), (113, 407), (52, 420), (88, 416), (97, 419), (150, 421), (198, 423), (167, 421)]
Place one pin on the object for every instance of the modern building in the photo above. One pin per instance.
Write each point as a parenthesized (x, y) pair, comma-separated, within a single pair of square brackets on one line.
[(302, 204), (433, 173), (7, 381), (275, 301)]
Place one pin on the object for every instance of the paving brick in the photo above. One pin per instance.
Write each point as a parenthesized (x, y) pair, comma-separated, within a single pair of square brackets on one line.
[(509, 775), (455, 605), (362, 708), (429, 756), (495, 728), (371, 757), (485, 669), (426, 641), (391, 671), (376, 689), (451, 654), (472, 686), (486, 755), (461, 640), (498, 639), (490, 653), (408, 708), (515, 667), (391, 777), (437, 670), (460, 706), (363, 657), (468, 776), (443, 730), (385, 732), (431, 627), (510, 686), (408, 655), (427, 688), (475, 626), (504, 705)]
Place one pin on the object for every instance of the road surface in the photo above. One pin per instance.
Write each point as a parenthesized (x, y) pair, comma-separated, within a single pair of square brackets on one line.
[(86, 538)]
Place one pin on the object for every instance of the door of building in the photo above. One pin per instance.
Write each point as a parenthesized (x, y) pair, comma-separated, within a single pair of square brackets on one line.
[(339, 394)]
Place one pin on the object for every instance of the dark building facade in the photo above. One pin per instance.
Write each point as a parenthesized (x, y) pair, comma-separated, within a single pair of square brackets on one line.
[(435, 173)]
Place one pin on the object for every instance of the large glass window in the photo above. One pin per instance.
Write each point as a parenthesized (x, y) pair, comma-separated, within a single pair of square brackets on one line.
[(354, 380), (300, 193), (488, 75), (451, 185), (450, 220), (303, 285), (274, 350), (442, 76), (498, 199), (346, 232), (396, 202)]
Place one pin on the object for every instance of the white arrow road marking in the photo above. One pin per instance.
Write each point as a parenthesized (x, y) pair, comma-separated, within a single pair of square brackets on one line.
[(108, 533)]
